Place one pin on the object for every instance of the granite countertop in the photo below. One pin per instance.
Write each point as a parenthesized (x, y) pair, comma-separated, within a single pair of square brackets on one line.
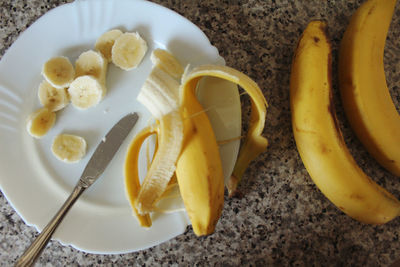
[(281, 218)]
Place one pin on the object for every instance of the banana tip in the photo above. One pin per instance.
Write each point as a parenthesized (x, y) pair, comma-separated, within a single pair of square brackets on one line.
[(232, 186)]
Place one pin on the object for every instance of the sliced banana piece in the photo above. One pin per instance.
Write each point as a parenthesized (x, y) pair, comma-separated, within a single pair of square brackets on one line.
[(92, 63), (167, 62), (59, 72), (52, 98), (85, 92), (69, 148), (106, 41), (40, 122), (128, 50)]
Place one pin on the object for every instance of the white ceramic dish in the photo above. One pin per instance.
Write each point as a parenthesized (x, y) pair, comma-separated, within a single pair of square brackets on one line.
[(36, 183)]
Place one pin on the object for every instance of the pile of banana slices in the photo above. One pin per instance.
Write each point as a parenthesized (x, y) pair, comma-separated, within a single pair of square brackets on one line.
[(83, 85)]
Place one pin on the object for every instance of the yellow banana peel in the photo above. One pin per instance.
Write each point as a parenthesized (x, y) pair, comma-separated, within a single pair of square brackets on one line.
[(199, 165), (254, 142), (131, 172)]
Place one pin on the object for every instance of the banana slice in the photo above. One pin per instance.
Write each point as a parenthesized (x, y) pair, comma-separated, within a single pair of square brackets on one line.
[(92, 63), (69, 148), (52, 98), (85, 92), (40, 122), (167, 62), (128, 50), (59, 72), (106, 41)]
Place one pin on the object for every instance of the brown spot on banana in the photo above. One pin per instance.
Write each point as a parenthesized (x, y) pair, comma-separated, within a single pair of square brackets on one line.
[(324, 148), (356, 196), (297, 129)]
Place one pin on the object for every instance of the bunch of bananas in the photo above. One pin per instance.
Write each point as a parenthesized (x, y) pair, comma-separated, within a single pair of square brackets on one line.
[(367, 104)]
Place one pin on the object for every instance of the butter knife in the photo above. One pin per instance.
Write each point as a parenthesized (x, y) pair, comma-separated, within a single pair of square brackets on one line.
[(105, 151)]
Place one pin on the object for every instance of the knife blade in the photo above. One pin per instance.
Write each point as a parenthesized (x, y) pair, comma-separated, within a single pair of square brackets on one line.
[(106, 150), (101, 157)]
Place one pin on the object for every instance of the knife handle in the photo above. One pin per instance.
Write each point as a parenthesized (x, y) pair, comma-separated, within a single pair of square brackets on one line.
[(35, 249)]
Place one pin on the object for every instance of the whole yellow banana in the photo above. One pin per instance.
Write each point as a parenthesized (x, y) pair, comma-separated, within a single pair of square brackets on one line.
[(320, 141), (365, 95)]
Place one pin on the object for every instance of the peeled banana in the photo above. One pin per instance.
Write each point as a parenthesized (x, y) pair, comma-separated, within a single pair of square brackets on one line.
[(59, 72), (85, 92), (319, 139), (52, 98), (167, 62), (159, 94), (198, 166), (106, 41), (69, 148), (161, 88), (170, 136), (40, 122), (128, 50), (365, 95)]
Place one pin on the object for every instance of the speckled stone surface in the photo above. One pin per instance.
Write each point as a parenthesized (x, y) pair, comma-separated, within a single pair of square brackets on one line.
[(281, 218)]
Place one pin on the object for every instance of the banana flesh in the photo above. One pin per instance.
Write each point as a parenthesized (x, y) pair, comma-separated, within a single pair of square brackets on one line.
[(170, 136), (159, 95), (68, 148), (167, 62), (58, 71), (106, 41), (365, 95), (85, 92), (52, 98), (92, 63), (320, 141), (40, 122), (128, 50)]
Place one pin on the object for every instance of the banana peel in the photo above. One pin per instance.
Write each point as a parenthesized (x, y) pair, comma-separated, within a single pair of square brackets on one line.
[(199, 168), (131, 172), (254, 142)]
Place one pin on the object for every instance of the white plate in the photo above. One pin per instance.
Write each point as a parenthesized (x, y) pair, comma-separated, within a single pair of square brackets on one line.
[(36, 183)]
